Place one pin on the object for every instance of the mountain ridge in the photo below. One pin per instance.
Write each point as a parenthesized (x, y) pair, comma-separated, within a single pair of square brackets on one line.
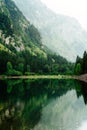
[(62, 34), (21, 48)]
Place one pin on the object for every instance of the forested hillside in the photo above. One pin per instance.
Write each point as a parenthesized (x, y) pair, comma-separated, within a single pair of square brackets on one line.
[(62, 34), (21, 48)]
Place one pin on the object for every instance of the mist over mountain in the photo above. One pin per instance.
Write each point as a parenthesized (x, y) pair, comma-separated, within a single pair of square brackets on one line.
[(21, 48), (62, 34)]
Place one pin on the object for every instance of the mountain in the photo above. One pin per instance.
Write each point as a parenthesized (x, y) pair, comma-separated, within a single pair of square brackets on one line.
[(15, 30), (62, 34), (21, 48)]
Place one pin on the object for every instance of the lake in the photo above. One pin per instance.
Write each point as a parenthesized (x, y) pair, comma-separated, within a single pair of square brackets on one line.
[(43, 104)]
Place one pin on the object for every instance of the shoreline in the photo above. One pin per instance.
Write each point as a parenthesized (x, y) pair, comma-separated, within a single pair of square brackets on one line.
[(37, 77), (80, 77)]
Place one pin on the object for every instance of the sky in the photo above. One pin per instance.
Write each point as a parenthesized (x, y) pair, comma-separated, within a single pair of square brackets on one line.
[(73, 8)]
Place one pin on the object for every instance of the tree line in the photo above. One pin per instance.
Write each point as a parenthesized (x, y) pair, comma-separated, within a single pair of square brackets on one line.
[(81, 64), (30, 60), (24, 63)]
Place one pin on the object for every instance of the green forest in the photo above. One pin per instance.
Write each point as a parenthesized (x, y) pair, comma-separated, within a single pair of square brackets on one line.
[(81, 64), (25, 63), (21, 48)]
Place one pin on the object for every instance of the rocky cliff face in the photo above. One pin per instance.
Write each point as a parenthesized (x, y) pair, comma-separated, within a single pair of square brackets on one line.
[(16, 33), (21, 45)]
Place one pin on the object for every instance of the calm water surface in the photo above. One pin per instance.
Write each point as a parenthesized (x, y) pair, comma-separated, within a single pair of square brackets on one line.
[(43, 105)]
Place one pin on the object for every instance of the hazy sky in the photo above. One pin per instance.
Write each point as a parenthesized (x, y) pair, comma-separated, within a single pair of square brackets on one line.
[(74, 8)]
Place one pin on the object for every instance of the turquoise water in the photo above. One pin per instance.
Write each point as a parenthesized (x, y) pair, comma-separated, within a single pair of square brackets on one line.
[(43, 105)]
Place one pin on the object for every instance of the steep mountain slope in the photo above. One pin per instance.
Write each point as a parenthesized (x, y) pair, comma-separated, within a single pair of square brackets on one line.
[(15, 30), (21, 48), (62, 34)]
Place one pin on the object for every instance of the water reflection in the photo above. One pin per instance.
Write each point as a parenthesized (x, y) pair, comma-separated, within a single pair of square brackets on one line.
[(64, 113), (84, 91), (42, 104)]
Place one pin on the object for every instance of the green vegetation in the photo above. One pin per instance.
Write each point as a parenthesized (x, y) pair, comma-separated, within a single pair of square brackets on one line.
[(58, 31), (81, 64), (11, 71), (27, 64), (25, 99), (21, 48), (5, 24), (78, 69)]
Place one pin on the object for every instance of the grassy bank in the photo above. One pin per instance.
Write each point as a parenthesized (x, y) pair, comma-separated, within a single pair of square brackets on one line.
[(37, 77)]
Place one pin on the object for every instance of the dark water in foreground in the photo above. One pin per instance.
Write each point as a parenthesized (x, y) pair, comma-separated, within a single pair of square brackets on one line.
[(43, 105)]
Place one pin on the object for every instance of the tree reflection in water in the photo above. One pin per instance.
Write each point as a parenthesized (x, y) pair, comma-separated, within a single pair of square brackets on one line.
[(22, 101)]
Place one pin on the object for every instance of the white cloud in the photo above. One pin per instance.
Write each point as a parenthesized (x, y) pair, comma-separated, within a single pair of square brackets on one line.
[(73, 8), (84, 126)]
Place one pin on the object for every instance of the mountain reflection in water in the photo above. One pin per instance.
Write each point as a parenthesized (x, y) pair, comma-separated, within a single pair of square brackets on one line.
[(43, 105)]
